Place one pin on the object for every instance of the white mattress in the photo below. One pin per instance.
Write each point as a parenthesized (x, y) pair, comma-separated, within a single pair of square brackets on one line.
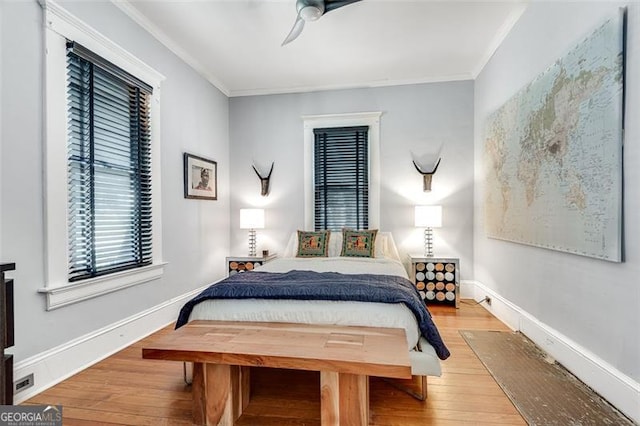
[(395, 315)]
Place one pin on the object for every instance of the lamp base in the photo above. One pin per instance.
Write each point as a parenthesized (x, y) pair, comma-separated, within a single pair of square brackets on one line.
[(428, 242), (252, 242)]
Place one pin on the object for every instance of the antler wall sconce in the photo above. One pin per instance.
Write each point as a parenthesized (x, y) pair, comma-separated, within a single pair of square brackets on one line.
[(426, 176), (264, 180)]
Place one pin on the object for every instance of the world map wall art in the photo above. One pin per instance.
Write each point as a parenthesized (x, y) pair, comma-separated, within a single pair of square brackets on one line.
[(553, 153)]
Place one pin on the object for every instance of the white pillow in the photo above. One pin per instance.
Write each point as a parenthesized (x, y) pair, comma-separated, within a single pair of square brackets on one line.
[(381, 245), (292, 246), (388, 247), (335, 244)]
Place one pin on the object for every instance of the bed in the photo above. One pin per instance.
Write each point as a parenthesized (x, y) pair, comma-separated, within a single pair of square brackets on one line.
[(359, 291)]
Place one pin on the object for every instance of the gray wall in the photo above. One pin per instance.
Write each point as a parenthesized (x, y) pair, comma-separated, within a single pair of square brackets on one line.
[(415, 118), (594, 303), (195, 233)]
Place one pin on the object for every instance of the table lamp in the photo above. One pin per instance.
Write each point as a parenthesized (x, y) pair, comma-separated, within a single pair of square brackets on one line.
[(252, 219), (428, 217)]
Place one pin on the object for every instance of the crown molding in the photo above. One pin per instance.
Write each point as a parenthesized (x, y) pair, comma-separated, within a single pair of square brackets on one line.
[(175, 47), (502, 33), (359, 85), (169, 43)]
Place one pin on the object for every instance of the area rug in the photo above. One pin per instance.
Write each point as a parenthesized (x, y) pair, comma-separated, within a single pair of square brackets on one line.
[(543, 391)]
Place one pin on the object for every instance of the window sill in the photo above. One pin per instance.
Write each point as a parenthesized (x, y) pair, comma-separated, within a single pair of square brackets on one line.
[(70, 293)]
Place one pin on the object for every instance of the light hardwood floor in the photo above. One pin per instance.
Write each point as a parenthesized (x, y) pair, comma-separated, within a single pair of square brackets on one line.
[(125, 389)]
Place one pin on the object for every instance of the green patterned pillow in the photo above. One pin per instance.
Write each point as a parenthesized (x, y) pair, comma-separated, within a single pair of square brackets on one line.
[(358, 243), (313, 243)]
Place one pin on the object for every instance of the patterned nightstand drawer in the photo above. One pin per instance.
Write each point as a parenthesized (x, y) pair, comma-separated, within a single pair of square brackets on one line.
[(236, 264), (437, 279)]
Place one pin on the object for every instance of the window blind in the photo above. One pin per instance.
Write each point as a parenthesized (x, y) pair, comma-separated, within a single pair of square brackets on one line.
[(109, 169), (341, 178)]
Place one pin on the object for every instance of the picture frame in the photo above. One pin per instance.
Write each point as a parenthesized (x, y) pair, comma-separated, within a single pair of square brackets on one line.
[(200, 177)]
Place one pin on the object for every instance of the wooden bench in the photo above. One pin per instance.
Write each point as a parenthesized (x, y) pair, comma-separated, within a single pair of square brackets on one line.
[(223, 351)]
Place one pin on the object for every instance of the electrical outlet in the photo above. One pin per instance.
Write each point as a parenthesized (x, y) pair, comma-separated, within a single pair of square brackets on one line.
[(24, 383), (488, 300)]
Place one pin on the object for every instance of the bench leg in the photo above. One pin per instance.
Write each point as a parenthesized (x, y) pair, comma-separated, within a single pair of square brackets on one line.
[(344, 399), (240, 387), (212, 395), (199, 394)]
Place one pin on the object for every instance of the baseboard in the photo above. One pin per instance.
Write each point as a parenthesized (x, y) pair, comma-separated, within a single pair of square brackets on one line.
[(617, 388), (467, 289), (57, 364)]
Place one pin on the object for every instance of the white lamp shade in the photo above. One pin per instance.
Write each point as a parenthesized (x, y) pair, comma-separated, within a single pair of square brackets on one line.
[(428, 216), (251, 218)]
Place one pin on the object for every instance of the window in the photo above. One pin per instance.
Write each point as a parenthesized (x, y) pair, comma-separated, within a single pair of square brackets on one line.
[(341, 178), (109, 158), (333, 122), (103, 218)]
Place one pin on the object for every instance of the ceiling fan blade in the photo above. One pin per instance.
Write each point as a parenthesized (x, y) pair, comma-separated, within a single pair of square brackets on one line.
[(295, 31), (330, 5)]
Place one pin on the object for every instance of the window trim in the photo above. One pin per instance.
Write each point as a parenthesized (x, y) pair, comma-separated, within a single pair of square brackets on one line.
[(371, 119), (60, 25)]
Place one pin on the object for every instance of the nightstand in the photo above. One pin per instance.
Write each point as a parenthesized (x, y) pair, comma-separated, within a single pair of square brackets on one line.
[(437, 279), (237, 264)]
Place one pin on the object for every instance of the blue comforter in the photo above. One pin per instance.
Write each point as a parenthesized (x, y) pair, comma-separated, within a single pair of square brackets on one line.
[(309, 285)]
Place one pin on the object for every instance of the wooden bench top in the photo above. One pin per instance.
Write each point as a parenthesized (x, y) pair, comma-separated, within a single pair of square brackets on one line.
[(368, 351)]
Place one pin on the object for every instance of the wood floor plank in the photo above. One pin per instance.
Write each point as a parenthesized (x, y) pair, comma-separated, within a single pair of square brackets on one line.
[(121, 395), (124, 389), (117, 417), (172, 409), (79, 389)]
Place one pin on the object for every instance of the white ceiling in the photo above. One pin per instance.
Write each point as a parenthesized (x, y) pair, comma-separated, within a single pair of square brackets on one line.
[(235, 44)]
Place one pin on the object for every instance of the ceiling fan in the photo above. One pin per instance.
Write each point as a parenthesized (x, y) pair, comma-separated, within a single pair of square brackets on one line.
[(312, 10)]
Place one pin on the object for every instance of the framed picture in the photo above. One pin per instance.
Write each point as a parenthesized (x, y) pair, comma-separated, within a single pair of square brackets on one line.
[(200, 178)]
